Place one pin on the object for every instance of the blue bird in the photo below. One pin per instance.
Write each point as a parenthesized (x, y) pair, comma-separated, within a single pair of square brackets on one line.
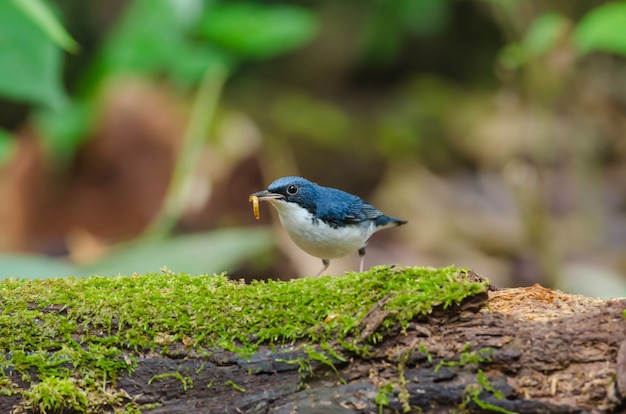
[(323, 221)]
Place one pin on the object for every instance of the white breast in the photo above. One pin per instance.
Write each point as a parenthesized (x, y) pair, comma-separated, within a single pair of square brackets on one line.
[(318, 238)]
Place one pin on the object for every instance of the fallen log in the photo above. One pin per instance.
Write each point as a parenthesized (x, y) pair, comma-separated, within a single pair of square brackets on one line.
[(433, 340)]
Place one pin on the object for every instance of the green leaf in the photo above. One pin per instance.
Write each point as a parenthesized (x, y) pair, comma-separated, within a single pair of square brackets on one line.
[(7, 146), (30, 63), (147, 38), (251, 30), (41, 14), (154, 37), (195, 61), (211, 252), (603, 29), (545, 32), (34, 267)]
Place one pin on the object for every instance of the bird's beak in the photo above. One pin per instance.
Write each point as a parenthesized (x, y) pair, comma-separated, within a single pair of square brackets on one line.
[(267, 195)]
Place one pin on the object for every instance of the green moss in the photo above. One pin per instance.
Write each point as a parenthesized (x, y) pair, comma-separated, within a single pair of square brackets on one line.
[(473, 391), (403, 394), (55, 395), (481, 356), (7, 387), (90, 329), (382, 398), (483, 381), (186, 382), (235, 387)]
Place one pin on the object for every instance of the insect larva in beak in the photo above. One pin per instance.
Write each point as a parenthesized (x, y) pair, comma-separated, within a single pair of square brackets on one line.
[(255, 206)]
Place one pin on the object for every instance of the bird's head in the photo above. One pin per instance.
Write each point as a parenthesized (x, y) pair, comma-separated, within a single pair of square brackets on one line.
[(296, 190)]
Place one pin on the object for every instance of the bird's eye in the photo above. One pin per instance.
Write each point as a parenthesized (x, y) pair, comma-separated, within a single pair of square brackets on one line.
[(292, 190)]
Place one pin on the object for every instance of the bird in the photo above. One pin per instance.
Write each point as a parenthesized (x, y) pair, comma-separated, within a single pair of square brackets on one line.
[(325, 222)]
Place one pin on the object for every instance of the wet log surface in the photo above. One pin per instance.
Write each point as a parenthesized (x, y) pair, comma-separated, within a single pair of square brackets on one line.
[(543, 351)]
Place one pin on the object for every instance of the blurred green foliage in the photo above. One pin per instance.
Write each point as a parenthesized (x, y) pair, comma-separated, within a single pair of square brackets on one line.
[(302, 115), (30, 59), (390, 22), (545, 33), (196, 45), (251, 30), (183, 40), (32, 266), (43, 17), (603, 29), (198, 253)]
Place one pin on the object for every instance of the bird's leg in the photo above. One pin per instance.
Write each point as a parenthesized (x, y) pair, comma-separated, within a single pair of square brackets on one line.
[(326, 263), (362, 254)]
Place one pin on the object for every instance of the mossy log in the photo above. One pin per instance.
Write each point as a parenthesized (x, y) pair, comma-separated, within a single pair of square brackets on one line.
[(383, 341)]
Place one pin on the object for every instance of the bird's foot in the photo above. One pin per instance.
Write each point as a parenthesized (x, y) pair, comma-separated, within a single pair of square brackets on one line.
[(326, 263), (362, 255)]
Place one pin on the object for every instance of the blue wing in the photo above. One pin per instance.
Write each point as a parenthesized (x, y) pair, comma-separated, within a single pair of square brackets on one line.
[(362, 211), (338, 208)]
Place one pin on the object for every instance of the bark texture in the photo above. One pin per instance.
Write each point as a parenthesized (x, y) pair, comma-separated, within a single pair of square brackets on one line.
[(542, 350)]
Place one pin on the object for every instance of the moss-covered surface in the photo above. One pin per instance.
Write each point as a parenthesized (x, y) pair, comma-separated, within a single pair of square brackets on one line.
[(70, 339)]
